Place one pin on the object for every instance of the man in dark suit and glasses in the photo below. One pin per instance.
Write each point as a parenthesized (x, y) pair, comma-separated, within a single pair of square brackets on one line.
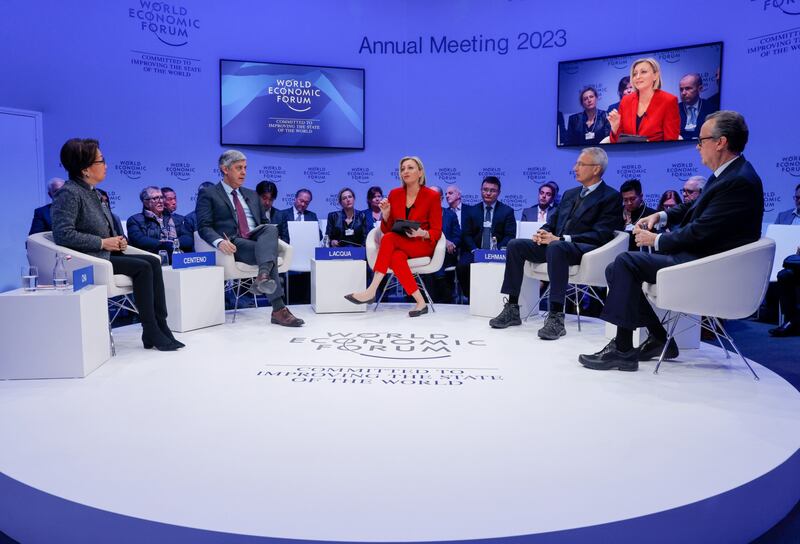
[(727, 215), (226, 215), (585, 219)]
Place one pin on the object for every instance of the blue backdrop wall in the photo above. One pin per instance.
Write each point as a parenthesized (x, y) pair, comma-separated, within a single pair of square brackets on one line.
[(143, 77)]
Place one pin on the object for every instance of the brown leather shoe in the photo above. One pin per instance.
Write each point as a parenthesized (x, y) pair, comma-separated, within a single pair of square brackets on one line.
[(285, 318)]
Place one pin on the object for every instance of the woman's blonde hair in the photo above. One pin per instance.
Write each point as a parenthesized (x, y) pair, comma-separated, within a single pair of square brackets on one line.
[(419, 165), (654, 65)]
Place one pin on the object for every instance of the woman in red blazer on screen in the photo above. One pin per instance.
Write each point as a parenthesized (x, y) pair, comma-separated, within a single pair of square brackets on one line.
[(648, 111), (414, 202)]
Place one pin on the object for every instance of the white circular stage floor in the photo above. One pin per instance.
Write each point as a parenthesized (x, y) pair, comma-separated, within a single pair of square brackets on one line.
[(377, 427)]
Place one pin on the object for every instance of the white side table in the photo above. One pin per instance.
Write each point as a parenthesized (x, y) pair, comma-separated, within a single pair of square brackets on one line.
[(53, 334), (485, 298), (332, 280), (195, 297)]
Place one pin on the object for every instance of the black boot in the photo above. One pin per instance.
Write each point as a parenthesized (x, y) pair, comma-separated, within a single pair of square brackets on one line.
[(164, 328), (152, 337)]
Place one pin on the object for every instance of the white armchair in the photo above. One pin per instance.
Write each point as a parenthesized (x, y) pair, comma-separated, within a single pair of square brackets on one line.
[(728, 285), (419, 265), (42, 252), (591, 272), (241, 275)]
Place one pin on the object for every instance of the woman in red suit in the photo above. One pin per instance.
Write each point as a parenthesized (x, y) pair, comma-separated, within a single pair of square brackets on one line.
[(415, 202), (648, 111)]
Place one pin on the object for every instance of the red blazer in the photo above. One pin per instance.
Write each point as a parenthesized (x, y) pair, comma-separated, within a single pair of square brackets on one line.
[(661, 122), (427, 209)]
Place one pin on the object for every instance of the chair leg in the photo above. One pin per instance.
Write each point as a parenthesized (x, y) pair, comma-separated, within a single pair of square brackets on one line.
[(675, 317), (713, 328), (421, 284), (578, 301), (535, 308), (727, 337), (238, 288), (385, 288), (111, 340)]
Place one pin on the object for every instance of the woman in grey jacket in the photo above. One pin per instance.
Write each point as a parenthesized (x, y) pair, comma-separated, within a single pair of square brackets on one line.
[(82, 222)]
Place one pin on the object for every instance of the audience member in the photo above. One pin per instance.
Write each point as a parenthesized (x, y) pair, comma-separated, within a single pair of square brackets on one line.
[(83, 222), (440, 285), (591, 125), (190, 221), (237, 228), (297, 212), (156, 228), (170, 199), (346, 227), (649, 112), (669, 199), (728, 216), (373, 211), (788, 282), (624, 88), (585, 219), (693, 188), (42, 222), (792, 215), (633, 207), (413, 202), (267, 191), (548, 193), (453, 197), (480, 224), (692, 108)]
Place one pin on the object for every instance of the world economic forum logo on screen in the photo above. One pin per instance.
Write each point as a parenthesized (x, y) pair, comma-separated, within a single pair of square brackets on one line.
[(172, 24), (789, 7), (296, 94)]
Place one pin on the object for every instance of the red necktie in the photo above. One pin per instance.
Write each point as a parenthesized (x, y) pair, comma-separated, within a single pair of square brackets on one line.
[(244, 230)]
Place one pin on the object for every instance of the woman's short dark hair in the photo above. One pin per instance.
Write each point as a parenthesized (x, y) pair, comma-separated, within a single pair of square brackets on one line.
[(372, 191), (78, 154), (343, 191), (622, 85)]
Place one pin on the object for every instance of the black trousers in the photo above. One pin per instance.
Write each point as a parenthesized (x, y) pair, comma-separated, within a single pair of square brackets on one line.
[(263, 250), (788, 281), (148, 284), (559, 256), (626, 305)]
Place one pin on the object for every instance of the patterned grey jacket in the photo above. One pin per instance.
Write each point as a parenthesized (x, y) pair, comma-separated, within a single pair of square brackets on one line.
[(81, 220)]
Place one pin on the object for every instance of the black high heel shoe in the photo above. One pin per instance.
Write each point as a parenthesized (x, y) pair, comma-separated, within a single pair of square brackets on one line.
[(354, 300), (164, 328), (417, 313)]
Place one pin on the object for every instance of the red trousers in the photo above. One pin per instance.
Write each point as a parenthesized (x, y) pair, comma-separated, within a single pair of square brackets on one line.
[(394, 252)]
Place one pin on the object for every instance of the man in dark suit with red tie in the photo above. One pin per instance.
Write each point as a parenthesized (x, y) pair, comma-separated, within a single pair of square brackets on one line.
[(227, 215), (585, 219), (727, 215)]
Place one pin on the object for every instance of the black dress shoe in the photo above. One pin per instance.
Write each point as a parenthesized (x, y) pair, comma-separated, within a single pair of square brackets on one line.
[(652, 347), (787, 329), (354, 300), (417, 313), (610, 357)]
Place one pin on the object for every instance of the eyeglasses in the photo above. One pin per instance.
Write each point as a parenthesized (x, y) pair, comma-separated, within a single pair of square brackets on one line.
[(156, 198), (100, 161), (579, 163), (689, 191), (700, 140), (489, 190)]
